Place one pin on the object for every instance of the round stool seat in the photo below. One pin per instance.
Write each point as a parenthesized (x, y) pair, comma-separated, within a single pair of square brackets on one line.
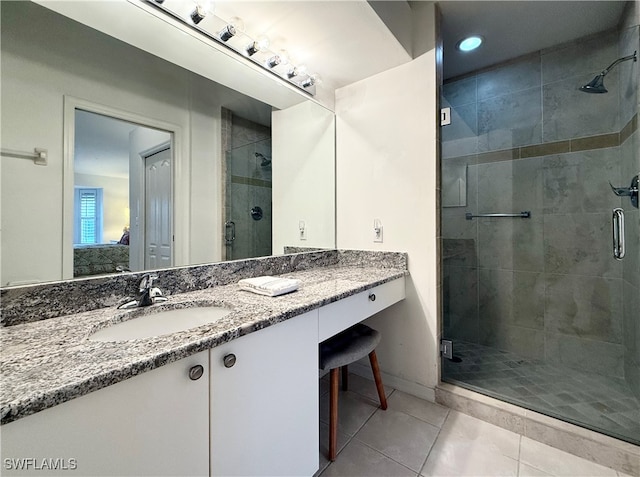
[(348, 346)]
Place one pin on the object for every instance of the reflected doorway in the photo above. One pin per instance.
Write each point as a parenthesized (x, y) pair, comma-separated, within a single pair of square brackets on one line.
[(157, 194), (122, 196), (248, 187)]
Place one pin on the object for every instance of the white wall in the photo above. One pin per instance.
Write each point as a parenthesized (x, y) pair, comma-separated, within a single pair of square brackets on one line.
[(387, 169), (207, 195), (303, 144), (44, 58)]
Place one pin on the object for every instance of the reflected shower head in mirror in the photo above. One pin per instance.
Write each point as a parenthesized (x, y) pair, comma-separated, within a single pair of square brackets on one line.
[(266, 161), (596, 85)]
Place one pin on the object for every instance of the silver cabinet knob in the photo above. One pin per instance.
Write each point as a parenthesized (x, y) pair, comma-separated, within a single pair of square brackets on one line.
[(372, 296), (196, 372), (229, 360)]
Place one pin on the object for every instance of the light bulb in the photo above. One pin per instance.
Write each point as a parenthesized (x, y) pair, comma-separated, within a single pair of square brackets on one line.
[(262, 42), (274, 61), (470, 43), (259, 44), (233, 28), (311, 80), (297, 71), (284, 57), (203, 8)]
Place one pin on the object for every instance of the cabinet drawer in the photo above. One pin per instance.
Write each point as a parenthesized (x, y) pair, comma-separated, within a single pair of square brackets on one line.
[(342, 314)]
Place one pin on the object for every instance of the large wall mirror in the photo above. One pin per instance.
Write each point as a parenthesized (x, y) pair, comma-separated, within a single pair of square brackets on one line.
[(150, 163)]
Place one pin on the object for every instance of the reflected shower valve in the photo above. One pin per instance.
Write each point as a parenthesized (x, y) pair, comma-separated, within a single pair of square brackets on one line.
[(256, 212)]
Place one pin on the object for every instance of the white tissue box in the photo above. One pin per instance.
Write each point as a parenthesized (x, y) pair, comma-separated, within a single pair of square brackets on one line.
[(269, 286)]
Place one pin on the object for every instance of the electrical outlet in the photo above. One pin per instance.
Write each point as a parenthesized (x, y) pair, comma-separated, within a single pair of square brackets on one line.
[(303, 230), (377, 230)]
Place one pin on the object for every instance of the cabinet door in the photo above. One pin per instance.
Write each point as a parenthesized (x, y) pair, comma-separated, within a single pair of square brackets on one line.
[(152, 424), (264, 408)]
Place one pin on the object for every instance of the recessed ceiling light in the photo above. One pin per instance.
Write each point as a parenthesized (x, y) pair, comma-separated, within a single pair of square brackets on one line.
[(469, 43)]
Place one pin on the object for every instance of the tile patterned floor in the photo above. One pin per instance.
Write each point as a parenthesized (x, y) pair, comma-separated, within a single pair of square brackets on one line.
[(601, 403), (417, 438)]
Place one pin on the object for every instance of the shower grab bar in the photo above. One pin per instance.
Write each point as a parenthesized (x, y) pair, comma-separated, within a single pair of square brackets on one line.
[(618, 234), (525, 214)]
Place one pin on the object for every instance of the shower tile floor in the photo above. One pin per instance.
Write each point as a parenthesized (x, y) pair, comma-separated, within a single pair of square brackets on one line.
[(601, 403)]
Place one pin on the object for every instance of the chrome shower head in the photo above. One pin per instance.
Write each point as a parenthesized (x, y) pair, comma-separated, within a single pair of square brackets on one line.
[(265, 160), (596, 85)]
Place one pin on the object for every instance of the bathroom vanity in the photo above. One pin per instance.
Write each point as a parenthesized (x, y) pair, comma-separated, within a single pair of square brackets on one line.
[(238, 396)]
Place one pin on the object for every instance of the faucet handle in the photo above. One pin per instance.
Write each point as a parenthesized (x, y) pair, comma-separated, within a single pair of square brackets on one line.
[(146, 282)]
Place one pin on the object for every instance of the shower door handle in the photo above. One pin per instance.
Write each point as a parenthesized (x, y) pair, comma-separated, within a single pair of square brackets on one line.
[(618, 234), (229, 232)]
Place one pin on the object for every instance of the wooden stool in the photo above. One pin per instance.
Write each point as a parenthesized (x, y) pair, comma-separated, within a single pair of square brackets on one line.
[(338, 352)]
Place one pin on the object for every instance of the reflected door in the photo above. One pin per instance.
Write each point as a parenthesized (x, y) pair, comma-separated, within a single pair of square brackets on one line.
[(158, 235)]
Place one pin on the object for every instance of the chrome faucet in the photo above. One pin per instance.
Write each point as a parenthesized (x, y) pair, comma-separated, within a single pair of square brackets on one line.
[(147, 293)]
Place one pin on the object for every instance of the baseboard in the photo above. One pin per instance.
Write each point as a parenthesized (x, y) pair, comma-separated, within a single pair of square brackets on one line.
[(415, 389)]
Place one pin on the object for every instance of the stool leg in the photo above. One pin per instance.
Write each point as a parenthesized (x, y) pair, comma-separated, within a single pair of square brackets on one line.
[(333, 414), (345, 377), (376, 375)]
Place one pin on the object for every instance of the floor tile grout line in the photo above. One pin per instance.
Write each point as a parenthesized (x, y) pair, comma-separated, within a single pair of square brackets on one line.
[(355, 436), (394, 390), (387, 456), (434, 441), (433, 444), (351, 437), (519, 454)]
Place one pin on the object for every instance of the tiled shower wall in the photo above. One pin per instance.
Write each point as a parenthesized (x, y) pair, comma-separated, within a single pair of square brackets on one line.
[(545, 287), (247, 184)]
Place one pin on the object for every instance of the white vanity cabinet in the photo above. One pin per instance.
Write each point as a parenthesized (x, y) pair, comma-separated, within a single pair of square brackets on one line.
[(264, 401), (246, 407), (156, 424), (342, 314)]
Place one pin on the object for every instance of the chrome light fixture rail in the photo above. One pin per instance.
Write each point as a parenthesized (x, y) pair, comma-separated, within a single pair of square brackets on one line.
[(231, 35)]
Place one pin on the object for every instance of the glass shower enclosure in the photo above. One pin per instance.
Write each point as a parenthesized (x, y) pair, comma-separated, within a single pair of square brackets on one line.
[(541, 233), (247, 185)]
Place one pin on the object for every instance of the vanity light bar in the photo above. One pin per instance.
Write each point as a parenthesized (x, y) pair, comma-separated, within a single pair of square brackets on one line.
[(273, 63)]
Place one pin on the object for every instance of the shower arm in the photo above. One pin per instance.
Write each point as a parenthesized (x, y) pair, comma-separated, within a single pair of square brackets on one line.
[(633, 57)]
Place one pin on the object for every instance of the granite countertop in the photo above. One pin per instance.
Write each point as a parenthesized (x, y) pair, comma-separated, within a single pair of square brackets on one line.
[(48, 362)]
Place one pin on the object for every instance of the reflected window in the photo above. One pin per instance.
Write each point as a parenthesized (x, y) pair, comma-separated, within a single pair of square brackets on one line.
[(87, 216)]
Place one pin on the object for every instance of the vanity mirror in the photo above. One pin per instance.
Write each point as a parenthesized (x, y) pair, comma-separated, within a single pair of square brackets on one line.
[(239, 141)]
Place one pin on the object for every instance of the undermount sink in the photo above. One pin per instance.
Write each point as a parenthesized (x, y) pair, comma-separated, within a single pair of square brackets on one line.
[(161, 322)]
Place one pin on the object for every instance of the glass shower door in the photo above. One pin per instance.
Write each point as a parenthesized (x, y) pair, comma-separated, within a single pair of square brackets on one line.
[(248, 186), (539, 311)]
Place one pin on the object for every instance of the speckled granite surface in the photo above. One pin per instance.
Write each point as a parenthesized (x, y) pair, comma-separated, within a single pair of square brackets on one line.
[(50, 361), (360, 258), (50, 300)]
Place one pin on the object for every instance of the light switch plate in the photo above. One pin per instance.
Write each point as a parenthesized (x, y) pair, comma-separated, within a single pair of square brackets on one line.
[(377, 231), (302, 227)]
